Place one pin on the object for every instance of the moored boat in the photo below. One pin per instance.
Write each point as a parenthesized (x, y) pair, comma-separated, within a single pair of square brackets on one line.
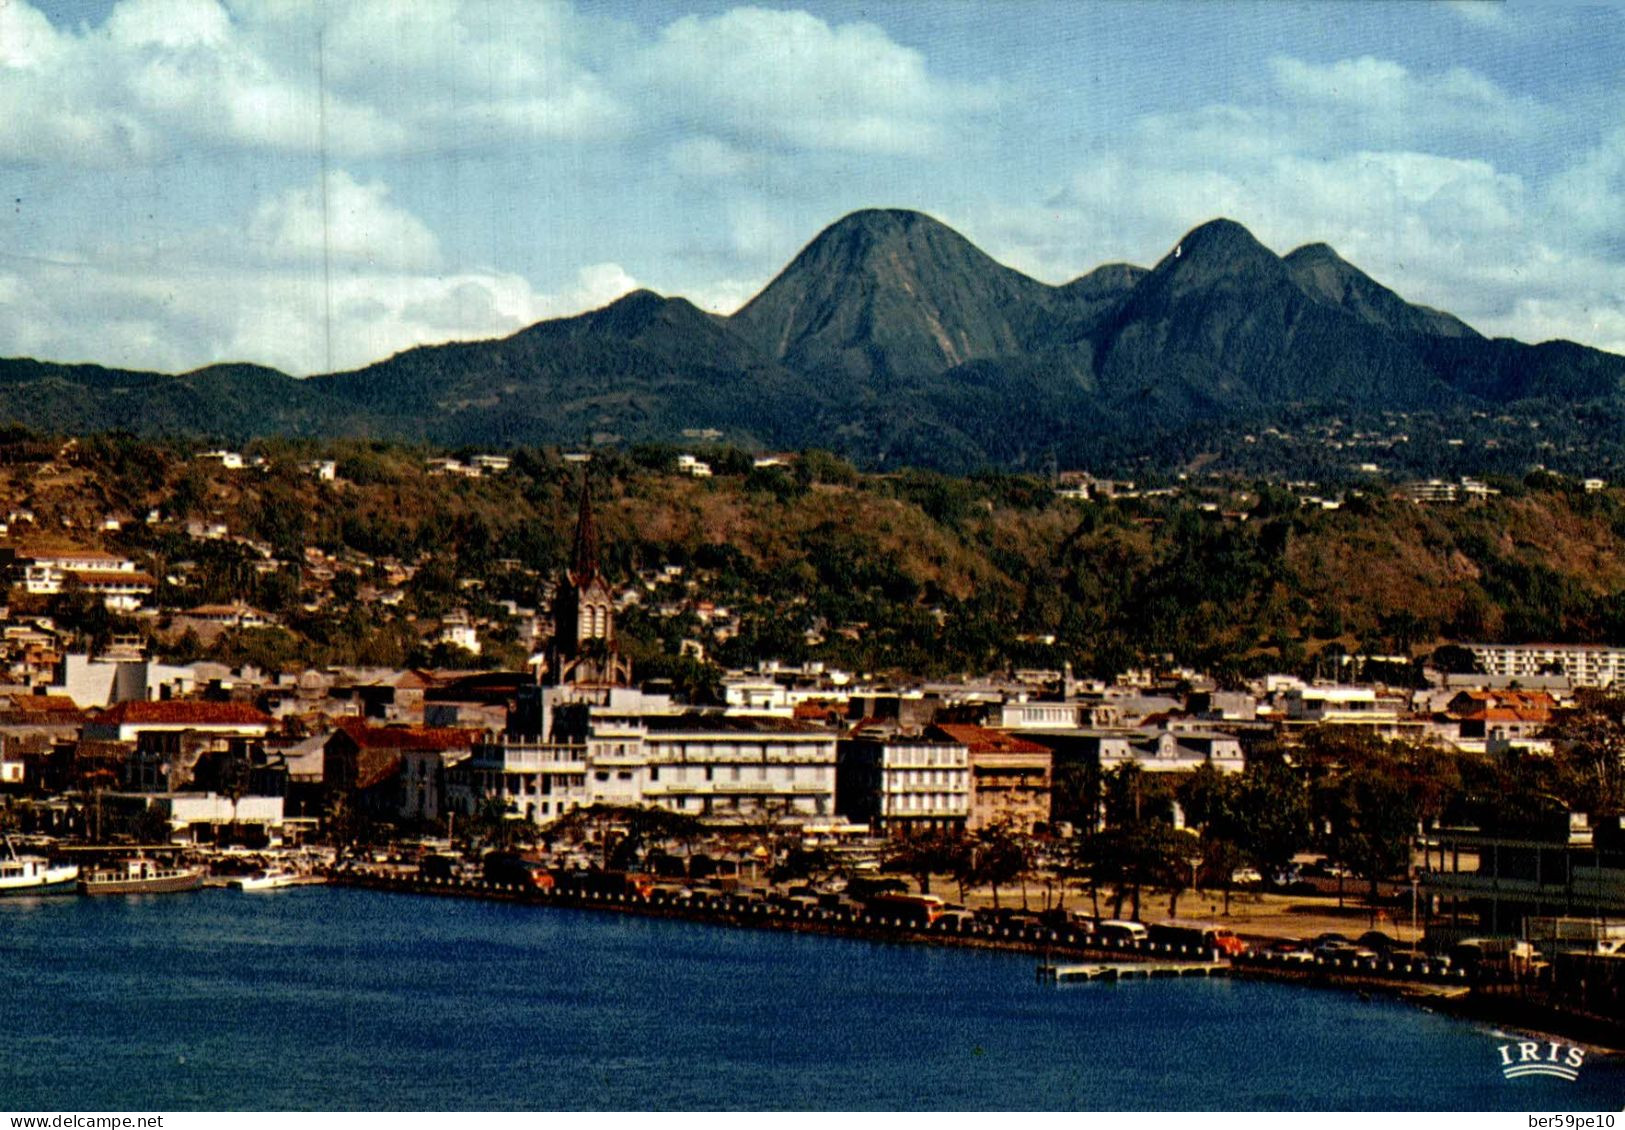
[(34, 874), (140, 876), (269, 880)]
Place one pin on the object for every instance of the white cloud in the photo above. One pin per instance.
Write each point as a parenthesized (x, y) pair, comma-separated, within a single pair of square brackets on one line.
[(706, 158), (318, 290), (788, 79), (171, 24), (347, 222), (1383, 96), (193, 314), (27, 40), (377, 77)]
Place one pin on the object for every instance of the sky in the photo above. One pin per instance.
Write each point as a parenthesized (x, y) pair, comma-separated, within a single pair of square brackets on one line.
[(317, 184)]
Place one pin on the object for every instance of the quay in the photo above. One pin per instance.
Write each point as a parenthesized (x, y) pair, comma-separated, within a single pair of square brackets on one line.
[(1132, 970)]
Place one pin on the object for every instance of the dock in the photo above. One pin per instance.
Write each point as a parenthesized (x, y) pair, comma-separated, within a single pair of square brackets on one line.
[(1132, 970)]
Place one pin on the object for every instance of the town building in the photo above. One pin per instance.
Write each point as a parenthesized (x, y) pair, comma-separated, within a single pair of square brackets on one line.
[(395, 770), (902, 785), (1586, 665), (1009, 778)]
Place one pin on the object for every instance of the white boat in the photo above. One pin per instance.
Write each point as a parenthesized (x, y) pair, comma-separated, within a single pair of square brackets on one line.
[(272, 879), (34, 874)]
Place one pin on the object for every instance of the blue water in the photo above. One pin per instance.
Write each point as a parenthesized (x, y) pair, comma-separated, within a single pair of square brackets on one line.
[(329, 998)]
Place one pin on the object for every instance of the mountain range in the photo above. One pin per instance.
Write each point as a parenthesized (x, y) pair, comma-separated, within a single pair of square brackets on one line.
[(894, 340)]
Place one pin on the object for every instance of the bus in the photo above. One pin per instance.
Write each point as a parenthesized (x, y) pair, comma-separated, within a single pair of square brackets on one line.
[(511, 870), (915, 910), (1196, 936), (1120, 931)]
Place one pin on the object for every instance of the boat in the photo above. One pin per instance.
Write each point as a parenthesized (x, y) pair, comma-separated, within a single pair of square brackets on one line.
[(140, 876), (34, 874), (271, 879)]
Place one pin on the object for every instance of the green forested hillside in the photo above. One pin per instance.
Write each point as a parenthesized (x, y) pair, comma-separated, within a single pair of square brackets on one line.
[(915, 572)]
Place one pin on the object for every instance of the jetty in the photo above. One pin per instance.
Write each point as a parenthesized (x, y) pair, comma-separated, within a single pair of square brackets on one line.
[(1131, 970)]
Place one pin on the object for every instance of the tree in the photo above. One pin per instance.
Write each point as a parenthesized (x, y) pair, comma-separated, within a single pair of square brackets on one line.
[(1374, 795), (1590, 746), (996, 857), (932, 853)]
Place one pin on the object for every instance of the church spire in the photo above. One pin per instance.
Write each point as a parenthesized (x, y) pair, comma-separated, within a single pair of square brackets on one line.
[(586, 547)]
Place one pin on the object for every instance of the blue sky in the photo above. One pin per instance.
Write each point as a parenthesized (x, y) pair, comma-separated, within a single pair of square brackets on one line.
[(316, 185)]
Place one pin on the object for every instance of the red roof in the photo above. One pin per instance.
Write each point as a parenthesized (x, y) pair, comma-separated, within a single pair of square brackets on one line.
[(1509, 714), (816, 710), (45, 703), (113, 577), (979, 739), (184, 712), (409, 737)]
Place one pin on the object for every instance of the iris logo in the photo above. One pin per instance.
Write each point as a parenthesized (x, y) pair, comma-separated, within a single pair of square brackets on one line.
[(1529, 1057)]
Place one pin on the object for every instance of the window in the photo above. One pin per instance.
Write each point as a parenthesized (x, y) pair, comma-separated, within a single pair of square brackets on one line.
[(601, 775)]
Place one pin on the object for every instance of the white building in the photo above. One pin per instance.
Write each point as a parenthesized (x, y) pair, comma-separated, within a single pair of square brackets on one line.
[(457, 631), (900, 783), (638, 751), (539, 781), (1586, 665), (722, 768), (1343, 706)]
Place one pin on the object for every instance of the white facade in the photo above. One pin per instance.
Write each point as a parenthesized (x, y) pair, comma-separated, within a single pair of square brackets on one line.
[(714, 770), (540, 781), (1041, 715), (925, 781), (1585, 665), (718, 769), (1340, 705)]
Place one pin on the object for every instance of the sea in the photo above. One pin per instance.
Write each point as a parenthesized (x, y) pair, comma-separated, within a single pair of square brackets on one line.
[(329, 998)]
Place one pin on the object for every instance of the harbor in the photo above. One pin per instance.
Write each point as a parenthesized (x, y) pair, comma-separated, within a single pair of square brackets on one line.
[(338, 997)]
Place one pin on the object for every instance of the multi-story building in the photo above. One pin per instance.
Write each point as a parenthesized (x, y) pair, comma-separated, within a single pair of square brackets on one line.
[(1586, 665), (635, 749), (538, 781), (904, 784), (1009, 777)]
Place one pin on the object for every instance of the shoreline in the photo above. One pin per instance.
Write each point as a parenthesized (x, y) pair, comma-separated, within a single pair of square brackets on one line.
[(1458, 998)]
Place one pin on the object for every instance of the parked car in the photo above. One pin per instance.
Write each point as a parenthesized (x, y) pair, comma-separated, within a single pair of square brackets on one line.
[(1288, 949), (1246, 877), (1377, 940)]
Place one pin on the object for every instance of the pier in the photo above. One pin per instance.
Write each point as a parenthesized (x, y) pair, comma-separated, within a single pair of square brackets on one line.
[(1132, 970)]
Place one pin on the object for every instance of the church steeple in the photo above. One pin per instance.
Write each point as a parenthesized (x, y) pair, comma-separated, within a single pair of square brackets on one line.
[(586, 546), (583, 652)]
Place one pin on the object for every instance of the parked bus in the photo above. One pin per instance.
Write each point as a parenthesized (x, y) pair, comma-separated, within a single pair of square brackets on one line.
[(1196, 936), (916, 910), (1120, 931), (605, 883), (517, 871)]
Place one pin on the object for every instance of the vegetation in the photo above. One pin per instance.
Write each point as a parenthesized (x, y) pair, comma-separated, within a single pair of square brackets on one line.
[(916, 572)]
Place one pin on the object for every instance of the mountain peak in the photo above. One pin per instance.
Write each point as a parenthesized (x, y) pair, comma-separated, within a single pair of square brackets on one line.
[(891, 293), (1314, 253), (1329, 279), (1217, 242)]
